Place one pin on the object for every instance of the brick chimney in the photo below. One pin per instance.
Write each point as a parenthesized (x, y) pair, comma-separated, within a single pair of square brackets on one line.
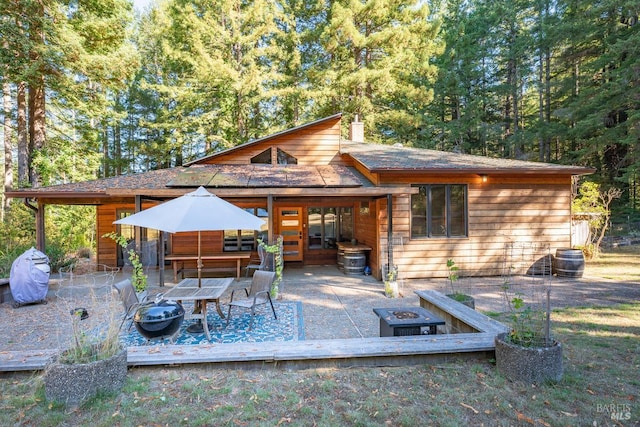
[(356, 130)]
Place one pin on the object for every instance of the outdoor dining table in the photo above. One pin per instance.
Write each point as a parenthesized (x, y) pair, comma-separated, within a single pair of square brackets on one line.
[(209, 290)]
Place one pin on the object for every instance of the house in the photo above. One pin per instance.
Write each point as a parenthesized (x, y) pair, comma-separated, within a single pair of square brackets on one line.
[(409, 207)]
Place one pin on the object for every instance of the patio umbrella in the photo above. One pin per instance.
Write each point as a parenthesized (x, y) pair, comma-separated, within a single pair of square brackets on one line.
[(195, 211)]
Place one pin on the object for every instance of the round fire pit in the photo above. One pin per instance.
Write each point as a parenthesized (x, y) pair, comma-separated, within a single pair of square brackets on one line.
[(404, 314), (159, 319)]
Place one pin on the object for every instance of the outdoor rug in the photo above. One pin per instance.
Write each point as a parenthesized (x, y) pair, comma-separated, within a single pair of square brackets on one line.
[(288, 327)]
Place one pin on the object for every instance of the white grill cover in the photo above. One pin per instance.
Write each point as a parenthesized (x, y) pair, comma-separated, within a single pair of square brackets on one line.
[(29, 279)]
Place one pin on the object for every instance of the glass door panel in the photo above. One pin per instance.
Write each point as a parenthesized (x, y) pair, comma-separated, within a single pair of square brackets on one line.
[(290, 227)]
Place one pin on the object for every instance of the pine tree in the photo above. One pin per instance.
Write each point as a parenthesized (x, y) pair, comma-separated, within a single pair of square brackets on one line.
[(377, 65)]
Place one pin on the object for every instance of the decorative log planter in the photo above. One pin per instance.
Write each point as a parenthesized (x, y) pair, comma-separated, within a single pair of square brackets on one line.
[(72, 384), (528, 364)]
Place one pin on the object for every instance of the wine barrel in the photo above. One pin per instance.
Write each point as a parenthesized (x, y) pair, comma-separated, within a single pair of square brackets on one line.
[(569, 262), (341, 260), (354, 263)]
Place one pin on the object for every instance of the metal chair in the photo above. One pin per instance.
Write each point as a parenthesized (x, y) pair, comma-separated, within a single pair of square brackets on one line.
[(129, 300), (259, 294), (257, 264)]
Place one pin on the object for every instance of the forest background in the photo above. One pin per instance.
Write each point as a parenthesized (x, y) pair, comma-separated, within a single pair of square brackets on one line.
[(96, 88)]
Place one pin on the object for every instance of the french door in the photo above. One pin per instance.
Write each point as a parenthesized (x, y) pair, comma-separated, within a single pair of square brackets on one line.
[(290, 223)]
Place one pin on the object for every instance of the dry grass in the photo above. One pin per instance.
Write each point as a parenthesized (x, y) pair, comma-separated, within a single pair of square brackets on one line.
[(602, 377), (620, 264)]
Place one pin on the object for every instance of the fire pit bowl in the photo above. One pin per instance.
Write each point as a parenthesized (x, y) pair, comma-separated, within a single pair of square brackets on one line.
[(159, 319)]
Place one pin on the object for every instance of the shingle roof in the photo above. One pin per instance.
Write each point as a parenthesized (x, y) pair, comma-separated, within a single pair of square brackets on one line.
[(165, 182), (261, 176), (379, 157), (155, 179)]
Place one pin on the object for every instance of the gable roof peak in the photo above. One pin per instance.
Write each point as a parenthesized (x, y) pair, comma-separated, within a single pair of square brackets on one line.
[(264, 138)]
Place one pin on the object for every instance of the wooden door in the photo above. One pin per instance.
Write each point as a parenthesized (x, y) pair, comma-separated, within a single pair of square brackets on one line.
[(290, 228)]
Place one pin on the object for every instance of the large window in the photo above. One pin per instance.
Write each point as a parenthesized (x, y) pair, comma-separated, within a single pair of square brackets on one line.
[(148, 245), (439, 210), (247, 240), (328, 226)]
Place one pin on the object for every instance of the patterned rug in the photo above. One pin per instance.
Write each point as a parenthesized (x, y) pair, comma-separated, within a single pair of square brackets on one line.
[(288, 327)]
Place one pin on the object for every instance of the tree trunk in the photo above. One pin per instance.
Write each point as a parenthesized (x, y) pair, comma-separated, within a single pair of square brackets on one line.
[(7, 176), (37, 126), (23, 135)]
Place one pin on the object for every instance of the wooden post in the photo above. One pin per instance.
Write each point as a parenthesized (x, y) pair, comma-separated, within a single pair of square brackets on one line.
[(161, 258), (390, 231), (137, 232), (270, 220), (39, 214)]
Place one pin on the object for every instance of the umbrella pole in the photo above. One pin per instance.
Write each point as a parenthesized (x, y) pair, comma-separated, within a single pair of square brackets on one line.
[(199, 263)]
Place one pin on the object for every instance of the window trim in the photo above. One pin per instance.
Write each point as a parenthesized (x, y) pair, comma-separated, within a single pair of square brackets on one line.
[(448, 216)]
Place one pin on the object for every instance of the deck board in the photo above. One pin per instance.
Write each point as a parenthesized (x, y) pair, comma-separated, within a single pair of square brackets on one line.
[(393, 350)]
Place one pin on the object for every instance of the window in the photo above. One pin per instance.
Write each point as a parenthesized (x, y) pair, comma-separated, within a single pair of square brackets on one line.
[(247, 240), (282, 157), (285, 158), (328, 226), (148, 245), (263, 158), (439, 210)]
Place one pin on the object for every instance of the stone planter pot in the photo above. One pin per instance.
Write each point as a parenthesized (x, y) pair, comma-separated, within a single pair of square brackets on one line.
[(74, 383), (464, 299), (528, 364)]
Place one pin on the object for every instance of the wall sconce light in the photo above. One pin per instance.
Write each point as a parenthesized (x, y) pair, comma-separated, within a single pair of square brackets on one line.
[(484, 178)]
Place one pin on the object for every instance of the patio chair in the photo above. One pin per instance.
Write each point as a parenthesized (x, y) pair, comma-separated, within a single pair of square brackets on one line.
[(257, 264), (129, 300), (259, 294)]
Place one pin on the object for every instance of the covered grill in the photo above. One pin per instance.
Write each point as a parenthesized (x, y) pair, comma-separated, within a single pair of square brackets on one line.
[(29, 279), (160, 319)]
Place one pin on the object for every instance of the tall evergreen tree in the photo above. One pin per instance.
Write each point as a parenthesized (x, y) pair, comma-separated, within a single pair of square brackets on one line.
[(377, 65)]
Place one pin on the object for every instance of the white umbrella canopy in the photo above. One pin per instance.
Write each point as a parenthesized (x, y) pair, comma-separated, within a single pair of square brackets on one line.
[(195, 211)]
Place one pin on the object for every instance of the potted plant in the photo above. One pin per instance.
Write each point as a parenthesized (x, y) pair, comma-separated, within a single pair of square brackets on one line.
[(455, 294), (138, 278), (90, 365), (390, 276), (528, 353)]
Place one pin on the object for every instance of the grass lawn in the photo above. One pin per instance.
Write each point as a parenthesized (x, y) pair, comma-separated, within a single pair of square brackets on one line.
[(601, 379)]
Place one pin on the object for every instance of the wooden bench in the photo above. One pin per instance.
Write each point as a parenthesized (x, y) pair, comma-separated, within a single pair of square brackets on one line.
[(458, 317), (193, 272), (178, 261), (5, 291)]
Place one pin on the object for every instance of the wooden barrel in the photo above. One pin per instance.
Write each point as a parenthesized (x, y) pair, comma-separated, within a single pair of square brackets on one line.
[(569, 262), (354, 263), (341, 259)]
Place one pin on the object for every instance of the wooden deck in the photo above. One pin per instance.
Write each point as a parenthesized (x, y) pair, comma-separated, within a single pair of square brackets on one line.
[(477, 342)]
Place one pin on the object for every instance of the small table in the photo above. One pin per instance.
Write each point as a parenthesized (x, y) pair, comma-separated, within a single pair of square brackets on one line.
[(404, 321), (209, 290)]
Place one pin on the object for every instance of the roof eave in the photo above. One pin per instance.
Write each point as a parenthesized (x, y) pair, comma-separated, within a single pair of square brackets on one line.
[(491, 171), (32, 194)]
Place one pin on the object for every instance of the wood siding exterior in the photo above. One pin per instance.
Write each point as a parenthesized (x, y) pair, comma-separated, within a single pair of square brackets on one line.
[(315, 145), (500, 213), (511, 207)]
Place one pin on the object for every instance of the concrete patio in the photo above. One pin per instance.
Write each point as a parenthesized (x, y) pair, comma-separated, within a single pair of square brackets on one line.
[(339, 323)]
